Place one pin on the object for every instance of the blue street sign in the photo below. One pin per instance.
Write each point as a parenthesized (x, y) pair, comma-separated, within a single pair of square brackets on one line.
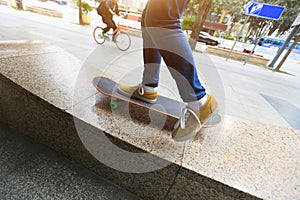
[(263, 10)]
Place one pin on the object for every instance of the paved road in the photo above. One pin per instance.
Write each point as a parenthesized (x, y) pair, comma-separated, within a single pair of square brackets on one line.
[(249, 92)]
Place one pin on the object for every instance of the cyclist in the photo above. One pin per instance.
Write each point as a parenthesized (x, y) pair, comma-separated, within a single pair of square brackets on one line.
[(108, 8)]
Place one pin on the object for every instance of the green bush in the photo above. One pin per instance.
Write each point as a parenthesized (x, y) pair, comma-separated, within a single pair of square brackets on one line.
[(229, 37), (187, 23), (86, 7)]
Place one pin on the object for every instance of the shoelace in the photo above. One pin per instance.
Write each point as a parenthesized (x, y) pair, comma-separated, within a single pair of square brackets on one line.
[(141, 89), (185, 114)]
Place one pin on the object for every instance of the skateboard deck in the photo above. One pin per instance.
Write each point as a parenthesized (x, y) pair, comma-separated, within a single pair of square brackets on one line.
[(163, 105)]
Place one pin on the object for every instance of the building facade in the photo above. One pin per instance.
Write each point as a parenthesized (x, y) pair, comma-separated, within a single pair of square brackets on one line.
[(133, 5)]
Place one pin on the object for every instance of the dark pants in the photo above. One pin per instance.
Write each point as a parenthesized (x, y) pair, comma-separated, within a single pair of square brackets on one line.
[(109, 24)]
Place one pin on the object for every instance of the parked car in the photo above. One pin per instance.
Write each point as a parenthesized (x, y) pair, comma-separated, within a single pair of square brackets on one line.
[(208, 39)]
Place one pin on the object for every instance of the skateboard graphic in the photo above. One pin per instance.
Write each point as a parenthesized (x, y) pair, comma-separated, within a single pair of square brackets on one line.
[(164, 105)]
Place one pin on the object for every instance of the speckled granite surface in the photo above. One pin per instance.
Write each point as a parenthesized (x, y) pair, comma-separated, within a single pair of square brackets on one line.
[(238, 155)]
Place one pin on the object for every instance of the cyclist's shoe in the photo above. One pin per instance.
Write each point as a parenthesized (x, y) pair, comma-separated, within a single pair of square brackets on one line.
[(138, 92), (105, 35), (191, 121)]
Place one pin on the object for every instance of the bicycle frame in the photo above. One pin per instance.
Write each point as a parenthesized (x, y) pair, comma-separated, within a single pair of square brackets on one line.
[(121, 38)]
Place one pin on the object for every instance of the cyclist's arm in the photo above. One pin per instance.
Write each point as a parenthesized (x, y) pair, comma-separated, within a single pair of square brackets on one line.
[(111, 11), (117, 10)]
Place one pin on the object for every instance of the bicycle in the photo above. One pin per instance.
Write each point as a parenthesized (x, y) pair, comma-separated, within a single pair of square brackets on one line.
[(121, 38)]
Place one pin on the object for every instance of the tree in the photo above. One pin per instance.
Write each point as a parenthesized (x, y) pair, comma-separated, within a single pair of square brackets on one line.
[(289, 15), (86, 8), (273, 28), (80, 12), (286, 20), (204, 6), (235, 9), (297, 39), (257, 25), (191, 8), (83, 7)]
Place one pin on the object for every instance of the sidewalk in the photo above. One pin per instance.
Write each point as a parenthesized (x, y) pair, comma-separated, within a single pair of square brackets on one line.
[(31, 171), (256, 93)]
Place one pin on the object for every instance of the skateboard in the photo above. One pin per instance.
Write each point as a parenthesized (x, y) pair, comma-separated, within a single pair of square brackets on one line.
[(164, 105)]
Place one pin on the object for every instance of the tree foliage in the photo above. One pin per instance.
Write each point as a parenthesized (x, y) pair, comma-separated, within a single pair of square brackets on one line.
[(86, 7), (292, 9), (236, 10), (187, 23), (192, 8), (284, 23)]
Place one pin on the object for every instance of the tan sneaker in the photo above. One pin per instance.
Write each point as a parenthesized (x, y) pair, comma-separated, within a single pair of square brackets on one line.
[(138, 92), (191, 121)]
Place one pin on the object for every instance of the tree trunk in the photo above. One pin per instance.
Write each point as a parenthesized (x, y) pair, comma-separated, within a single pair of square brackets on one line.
[(231, 28), (273, 28), (288, 53), (80, 12), (249, 32), (204, 6)]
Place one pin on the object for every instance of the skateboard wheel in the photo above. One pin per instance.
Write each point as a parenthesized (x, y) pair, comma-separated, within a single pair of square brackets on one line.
[(113, 104)]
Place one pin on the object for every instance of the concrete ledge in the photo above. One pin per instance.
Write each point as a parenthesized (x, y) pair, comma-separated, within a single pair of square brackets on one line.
[(44, 11), (256, 60), (4, 3), (59, 107), (134, 32)]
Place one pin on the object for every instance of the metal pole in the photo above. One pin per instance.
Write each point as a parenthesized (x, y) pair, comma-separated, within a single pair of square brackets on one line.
[(257, 41), (237, 37), (287, 41)]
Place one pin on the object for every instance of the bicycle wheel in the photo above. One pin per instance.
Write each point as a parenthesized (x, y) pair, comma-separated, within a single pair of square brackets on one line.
[(123, 40), (97, 34)]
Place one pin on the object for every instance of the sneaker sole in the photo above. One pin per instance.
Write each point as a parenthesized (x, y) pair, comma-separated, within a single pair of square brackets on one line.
[(188, 136), (209, 118), (196, 131), (134, 97)]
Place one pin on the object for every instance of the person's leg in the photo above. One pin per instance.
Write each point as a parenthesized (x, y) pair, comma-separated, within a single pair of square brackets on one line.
[(152, 60), (177, 54), (105, 21), (147, 91), (114, 27), (185, 75), (109, 24)]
